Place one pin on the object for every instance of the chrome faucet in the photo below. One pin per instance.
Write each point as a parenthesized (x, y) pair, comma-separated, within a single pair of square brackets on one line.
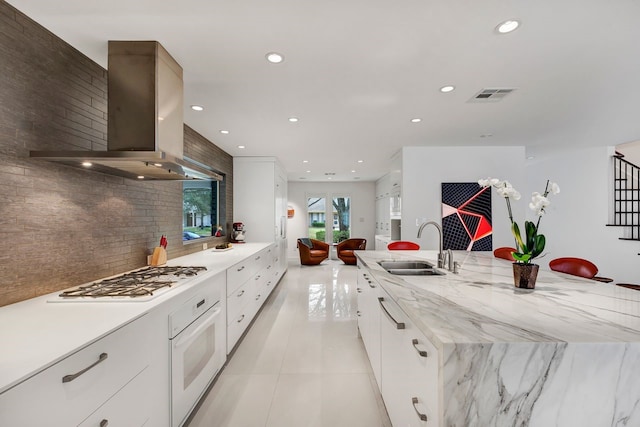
[(450, 258), (440, 253)]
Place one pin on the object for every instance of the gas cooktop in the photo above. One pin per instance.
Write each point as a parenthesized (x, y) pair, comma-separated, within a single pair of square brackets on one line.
[(138, 285)]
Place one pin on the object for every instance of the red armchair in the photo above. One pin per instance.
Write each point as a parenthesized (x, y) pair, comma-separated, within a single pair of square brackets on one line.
[(345, 249), (312, 251)]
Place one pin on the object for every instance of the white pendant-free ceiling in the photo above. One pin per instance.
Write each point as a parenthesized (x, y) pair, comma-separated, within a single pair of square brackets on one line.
[(355, 73)]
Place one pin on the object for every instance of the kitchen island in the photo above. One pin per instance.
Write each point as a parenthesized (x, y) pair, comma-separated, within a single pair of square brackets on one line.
[(565, 354)]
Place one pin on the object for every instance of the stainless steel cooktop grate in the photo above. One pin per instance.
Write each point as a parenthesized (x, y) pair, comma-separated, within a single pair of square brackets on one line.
[(137, 283)]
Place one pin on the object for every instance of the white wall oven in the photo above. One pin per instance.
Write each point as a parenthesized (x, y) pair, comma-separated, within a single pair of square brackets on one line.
[(197, 342)]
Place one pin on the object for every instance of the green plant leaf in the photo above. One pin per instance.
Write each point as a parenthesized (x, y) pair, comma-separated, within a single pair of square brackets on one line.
[(531, 231), (524, 258), (540, 242), (515, 230)]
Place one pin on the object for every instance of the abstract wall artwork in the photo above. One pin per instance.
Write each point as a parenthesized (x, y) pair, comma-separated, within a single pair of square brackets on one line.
[(466, 217)]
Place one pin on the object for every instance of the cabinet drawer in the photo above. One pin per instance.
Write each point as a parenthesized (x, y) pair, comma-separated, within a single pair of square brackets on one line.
[(262, 259), (239, 299), (410, 383), (238, 274), (131, 406), (259, 279), (237, 326), (93, 375)]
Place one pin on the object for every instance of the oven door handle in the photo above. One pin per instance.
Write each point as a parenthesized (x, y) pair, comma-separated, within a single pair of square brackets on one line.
[(187, 339)]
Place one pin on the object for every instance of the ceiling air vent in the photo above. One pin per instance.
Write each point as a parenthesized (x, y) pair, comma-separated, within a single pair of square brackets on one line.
[(491, 95)]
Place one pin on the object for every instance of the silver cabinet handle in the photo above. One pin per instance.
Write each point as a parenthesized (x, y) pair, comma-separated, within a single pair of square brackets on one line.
[(258, 297), (71, 377), (256, 258), (359, 290), (422, 353), (370, 284), (257, 277), (104, 423), (358, 313), (241, 319), (240, 294), (414, 402), (399, 325), (241, 268), (269, 283)]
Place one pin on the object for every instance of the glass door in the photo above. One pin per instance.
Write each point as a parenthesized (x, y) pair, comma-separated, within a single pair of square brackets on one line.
[(341, 218), (316, 217), (330, 223)]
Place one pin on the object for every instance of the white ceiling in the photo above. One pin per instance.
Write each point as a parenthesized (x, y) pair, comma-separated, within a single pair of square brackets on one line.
[(357, 71)]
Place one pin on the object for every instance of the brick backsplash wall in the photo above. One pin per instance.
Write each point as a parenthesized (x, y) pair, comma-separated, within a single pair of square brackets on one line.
[(62, 226)]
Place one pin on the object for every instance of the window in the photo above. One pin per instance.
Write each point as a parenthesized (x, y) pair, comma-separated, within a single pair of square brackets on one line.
[(200, 205)]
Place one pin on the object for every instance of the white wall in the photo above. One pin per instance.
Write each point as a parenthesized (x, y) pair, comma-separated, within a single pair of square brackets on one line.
[(424, 169), (362, 209), (575, 224)]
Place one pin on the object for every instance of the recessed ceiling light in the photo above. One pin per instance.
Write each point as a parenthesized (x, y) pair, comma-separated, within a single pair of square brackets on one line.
[(531, 157), (293, 119), (446, 89), (507, 26), (140, 176), (197, 108), (224, 132), (353, 171), (305, 161), (157, 164), (308, 171), (416, 120), (241, 146), (360, 161), (274, 57), (329, 177), (87, 164)]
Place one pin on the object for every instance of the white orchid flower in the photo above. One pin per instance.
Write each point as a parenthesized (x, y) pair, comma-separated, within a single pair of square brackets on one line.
[(488, 182), (555, 189), (538, 203)]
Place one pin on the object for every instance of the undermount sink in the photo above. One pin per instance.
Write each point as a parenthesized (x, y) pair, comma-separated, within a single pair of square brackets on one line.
[(410, 268)]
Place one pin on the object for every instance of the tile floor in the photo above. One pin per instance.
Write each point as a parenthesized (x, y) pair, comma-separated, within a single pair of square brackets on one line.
[(301, 363)]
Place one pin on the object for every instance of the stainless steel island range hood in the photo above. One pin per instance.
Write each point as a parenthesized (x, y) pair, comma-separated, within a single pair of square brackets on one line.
[(145, 122)]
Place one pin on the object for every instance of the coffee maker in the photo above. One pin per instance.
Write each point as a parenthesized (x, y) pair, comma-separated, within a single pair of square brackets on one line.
[(237, 236)]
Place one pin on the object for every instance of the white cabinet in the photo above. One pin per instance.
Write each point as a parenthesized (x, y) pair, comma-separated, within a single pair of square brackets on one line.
[(369, 319), (260, 198), (249, 283), (383, 216), (88, 382), (123, 408), (382, 242), (409, 369)]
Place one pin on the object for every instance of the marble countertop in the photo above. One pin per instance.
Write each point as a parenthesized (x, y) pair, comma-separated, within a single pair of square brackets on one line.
[(481, 304), (36, 333)]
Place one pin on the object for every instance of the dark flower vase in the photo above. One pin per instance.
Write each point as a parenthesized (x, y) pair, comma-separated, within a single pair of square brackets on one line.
[(525, 275)]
